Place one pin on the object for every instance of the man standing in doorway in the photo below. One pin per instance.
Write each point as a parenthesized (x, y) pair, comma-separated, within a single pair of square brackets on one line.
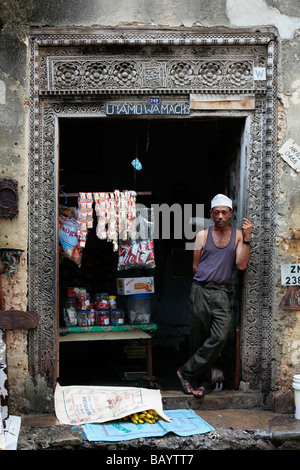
[(217, 250)]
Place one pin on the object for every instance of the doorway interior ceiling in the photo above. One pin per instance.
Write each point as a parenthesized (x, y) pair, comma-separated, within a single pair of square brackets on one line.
[(78, 72)]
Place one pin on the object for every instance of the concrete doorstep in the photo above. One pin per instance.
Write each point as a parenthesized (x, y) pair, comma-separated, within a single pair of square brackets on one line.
[(238, 420)]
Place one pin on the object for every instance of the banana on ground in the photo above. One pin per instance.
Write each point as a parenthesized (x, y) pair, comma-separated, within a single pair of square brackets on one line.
[(147, 416)]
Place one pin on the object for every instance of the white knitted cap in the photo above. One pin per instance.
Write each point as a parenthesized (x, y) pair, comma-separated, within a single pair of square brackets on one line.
[(221, 200)]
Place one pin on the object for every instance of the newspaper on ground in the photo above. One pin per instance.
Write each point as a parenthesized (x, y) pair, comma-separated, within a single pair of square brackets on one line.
[(76, 405)]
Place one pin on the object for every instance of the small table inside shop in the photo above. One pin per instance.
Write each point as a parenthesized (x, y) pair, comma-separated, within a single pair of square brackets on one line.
[(112, 333)]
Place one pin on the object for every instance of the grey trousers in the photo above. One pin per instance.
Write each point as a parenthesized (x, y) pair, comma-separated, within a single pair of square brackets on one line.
[(210, 320)]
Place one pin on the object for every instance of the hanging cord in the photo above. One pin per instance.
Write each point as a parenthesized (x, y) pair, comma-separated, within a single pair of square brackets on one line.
[(148, 136), (66, 199), (136, 156)]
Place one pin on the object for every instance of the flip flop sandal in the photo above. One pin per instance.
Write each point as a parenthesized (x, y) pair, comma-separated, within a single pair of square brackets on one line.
[(186, 385), (200, 391)]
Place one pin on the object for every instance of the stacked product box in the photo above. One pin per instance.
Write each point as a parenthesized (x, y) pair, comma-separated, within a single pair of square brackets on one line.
[(138, 291)]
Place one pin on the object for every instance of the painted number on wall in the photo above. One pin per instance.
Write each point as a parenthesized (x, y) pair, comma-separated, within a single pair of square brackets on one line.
[(290, 275)]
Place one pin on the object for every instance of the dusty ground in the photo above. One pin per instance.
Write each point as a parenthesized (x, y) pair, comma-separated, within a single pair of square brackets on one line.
[(233, 430)]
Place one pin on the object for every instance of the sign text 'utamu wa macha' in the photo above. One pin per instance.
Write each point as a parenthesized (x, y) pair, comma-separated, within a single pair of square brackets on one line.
[(147, 109)]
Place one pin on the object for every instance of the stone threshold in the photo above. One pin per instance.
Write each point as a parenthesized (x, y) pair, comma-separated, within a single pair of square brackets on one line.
[(228, 399)]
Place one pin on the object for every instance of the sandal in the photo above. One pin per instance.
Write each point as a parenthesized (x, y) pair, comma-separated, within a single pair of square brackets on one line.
[(186, 385), (200, 391)]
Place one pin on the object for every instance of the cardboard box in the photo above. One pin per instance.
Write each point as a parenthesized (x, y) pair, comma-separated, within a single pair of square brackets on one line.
[(135, 285)]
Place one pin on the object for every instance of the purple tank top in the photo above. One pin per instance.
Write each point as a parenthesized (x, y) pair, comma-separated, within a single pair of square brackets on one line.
[(216, 264)]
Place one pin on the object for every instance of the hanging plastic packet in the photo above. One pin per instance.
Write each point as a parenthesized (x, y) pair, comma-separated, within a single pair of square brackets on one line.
[(138, 251), (68, 239), (115, 213), (136, 164), (133, 254), (102, 207), (85, 216)]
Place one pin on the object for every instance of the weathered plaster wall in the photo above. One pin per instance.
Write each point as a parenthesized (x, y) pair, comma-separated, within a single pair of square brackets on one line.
[(16, 18), (14, 164)]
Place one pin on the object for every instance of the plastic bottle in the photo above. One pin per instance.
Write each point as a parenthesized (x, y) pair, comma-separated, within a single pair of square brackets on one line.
[(102, 317), (70, 311), (83, 300), (83, 317), (117, 317), (112, 302), (92, 315), (102, 302)]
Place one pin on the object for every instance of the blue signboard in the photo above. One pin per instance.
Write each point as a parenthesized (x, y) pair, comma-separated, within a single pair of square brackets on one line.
[(147, 109), (154, 100)]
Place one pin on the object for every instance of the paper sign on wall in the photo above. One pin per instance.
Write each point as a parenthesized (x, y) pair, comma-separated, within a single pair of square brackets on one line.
[(290, 152), (259, 73)]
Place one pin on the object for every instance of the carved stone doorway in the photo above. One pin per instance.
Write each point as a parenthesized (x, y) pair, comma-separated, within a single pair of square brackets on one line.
[(81, 73)]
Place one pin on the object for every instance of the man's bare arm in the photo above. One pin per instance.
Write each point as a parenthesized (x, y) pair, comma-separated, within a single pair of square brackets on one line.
[(242, 249), (198, 248)]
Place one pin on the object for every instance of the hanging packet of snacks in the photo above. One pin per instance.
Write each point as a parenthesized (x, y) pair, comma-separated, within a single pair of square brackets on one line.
[(126, 214), (85, 216), (138, 251), (115, 213), (69, 246), (101, 209), (112, 219)]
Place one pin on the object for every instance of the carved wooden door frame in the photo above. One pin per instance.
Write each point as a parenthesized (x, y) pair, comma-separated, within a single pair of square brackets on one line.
[(77, 72)]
